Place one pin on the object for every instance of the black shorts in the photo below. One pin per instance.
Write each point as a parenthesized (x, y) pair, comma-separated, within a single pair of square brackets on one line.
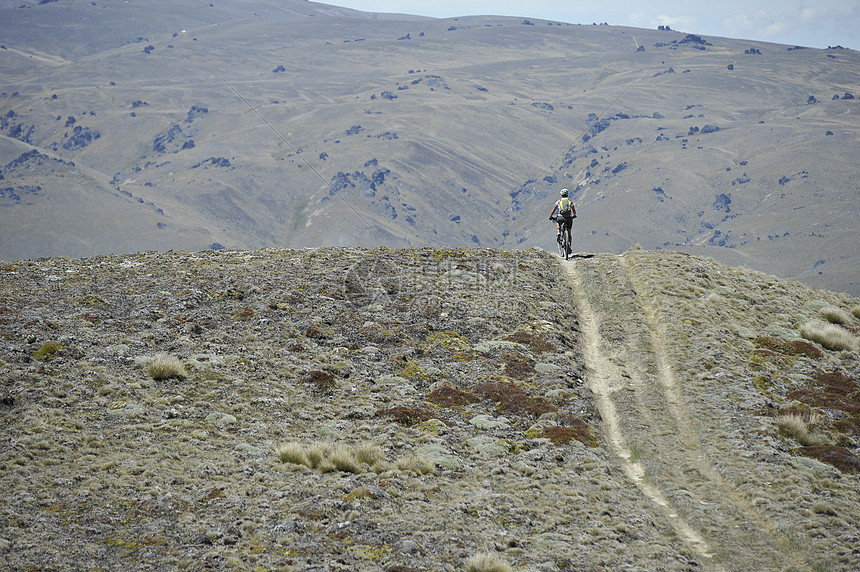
[(566, 221)]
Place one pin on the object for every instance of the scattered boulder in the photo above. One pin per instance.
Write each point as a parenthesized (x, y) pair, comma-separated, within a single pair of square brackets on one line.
[(379, 175), (215, 162), (195, 112), (80, 138), (162, 140), (722, 202)]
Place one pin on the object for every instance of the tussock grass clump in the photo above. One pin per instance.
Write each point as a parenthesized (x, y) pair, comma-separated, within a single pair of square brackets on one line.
[(293, 453), (803, 430), (487, 562), (330, 457), (823, 508), (836, 315), (855, 311), (165, 366), (414, 464), (369, 454), (829, 336)]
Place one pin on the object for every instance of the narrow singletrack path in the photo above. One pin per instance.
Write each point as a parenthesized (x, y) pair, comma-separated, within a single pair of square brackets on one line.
[(604, 379), (650, 429)]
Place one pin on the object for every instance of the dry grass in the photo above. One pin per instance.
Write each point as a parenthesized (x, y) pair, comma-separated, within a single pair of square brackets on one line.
[(855, 311), (414, 464), (165, 366), (330, 457), (487, 562), (829, 336), (836, 315), (293, 453), (803, 430)]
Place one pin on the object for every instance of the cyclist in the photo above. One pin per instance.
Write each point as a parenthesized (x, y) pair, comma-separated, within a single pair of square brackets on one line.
[(566, 214)]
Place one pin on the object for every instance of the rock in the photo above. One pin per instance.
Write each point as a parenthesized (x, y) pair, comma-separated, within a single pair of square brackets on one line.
[(486, 422), (439, 456), (487, 446), (195, 112), (81, 137), (218, 418)]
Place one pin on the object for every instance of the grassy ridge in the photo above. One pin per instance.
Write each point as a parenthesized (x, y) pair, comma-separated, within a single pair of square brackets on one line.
[(398, 410)]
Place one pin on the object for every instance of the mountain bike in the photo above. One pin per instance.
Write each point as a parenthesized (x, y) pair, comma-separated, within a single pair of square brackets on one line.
[(564, 249)]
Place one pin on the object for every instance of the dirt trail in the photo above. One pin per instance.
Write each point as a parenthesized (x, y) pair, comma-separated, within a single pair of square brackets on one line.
[(650, 428)]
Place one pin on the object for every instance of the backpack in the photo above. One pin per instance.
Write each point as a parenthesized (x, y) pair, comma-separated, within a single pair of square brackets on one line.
[(564, 207)]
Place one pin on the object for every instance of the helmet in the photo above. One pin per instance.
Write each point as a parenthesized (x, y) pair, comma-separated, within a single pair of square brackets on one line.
[(564, 192)]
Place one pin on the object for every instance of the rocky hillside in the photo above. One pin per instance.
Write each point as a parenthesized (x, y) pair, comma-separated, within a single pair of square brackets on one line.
[(159, 125), (424, 409)]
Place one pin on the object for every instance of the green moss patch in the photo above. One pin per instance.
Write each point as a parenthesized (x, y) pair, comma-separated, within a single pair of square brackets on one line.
[(48, 351)]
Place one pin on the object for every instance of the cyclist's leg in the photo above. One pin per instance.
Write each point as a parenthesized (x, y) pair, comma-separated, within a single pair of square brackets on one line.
[(569, 225)]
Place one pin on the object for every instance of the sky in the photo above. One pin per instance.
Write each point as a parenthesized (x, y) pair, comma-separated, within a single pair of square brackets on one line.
[(809, 23)]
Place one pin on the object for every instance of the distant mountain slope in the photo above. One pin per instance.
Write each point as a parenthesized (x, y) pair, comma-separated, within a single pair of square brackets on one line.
[(421, 407), (247, 124)]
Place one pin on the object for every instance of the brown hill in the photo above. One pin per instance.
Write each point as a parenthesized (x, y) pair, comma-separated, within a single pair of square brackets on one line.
[(128, 127), (425, 409)]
